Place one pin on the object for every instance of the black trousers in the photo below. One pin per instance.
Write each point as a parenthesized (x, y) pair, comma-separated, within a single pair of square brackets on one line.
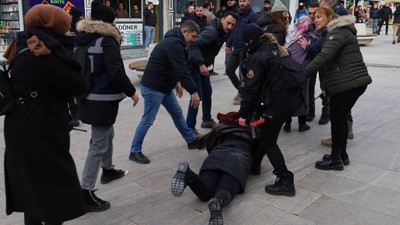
[(269, 133), (341, 105), (213, 183), (31, 221), (386, 21)]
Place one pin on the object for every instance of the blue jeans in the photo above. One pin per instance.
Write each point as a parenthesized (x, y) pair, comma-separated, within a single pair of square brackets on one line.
[(152, 101), (205, 91), (150, 33)]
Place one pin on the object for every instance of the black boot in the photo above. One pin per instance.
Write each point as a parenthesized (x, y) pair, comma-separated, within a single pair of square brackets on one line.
[(215, 207), (178, 183), (112, 174), (329, 164), (284, 184), (93, 203)]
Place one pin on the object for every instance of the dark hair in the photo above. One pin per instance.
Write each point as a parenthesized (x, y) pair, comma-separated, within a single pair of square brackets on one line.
[(197, 6), (191, 26), (230, 13), (206, 4), (313, 5), (280, 20), (267, 1)]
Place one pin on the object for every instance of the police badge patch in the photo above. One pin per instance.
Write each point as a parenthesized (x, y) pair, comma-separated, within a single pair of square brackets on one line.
[(250, 74)]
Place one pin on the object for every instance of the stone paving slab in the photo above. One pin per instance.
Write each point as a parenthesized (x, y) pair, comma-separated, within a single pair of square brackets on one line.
[(366, 192)]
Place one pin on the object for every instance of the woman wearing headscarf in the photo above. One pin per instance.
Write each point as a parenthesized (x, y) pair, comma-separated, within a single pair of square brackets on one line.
[(302, 30), (344, 80), (40, 175)]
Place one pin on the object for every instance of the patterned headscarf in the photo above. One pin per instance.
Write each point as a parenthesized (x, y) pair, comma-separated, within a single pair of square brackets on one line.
[(302, 27)]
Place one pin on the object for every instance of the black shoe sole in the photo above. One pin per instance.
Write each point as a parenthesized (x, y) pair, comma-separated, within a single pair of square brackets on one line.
[(104, 207), (285, 193), (215, 208), (178, 181)]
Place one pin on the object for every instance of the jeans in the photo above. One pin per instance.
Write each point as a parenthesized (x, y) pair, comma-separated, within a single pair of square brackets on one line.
[(150, 33), (341, 105), (374, 25), (100, 154), (234, 60), (205, 91), (152, 101)]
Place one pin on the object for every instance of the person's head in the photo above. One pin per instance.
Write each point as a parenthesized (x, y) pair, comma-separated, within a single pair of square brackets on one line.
[(251, 32), (228, 21), (387, 5), (304, 25), (328, 4), (150, 5), (103, 13), (375, 6), (191, 9), (312, 7), (243, 4), (49, 16), (199, 11), (189, 30), (322, 17), (107, 3), (223, 8), (301, 5), (267, 4), (207, 5), (231, 3), (120, 6), (76, 15), (135, 8), (279, 7)]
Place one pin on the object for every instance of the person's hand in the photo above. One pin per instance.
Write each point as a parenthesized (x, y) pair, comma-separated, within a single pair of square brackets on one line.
[(204, 70), (135, 98), (179, 90), (195, 100), (303, 42), (227, 50), (242, 122)]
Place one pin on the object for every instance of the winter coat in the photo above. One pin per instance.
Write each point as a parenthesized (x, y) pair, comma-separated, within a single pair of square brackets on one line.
[(385, 13), (207, 45), (40, 174), (167, 65), (246, 16), (257, 71), (230, 149), (340, 58), (201, 21), (150, 18), (111, 84), (396, 16), (267, 22), (374, 13)]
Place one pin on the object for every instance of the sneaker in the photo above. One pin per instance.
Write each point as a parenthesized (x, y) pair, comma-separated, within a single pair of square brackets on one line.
[(112, 174), (303, 127), (237, 97), (215, 207), (94, 203), (208, 124), (237, 102), (195, 132), (139, 158), (324, 119), (195, 144), (178, 184), (327, 142)]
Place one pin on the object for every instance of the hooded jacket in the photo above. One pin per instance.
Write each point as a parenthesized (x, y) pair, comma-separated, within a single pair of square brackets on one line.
[(167, 65), (111, 84), (340, 58)]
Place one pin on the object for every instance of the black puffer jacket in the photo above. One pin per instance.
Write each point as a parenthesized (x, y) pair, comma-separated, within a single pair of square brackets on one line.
[(230, 149), (340, 58)]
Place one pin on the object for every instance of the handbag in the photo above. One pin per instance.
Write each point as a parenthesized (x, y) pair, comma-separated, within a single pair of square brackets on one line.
[(8, 101)]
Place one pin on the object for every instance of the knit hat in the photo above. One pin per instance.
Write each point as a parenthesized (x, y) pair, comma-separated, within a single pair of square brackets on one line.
[(101, 12), (251, 31), (279, 7), (48, 16)]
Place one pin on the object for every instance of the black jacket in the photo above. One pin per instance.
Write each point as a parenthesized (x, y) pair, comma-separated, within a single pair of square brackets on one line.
[(150, 18), (111, 85), (267, 22), (207, 45), (231, 150), (201, 21), (385, 13), (167, 65)]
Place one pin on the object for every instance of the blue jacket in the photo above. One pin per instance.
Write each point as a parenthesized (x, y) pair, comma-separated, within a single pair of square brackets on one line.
[(111, 84), (167, 65), (246, 16)]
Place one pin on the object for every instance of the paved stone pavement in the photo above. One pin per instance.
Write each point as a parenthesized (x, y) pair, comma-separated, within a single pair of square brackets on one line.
[(366, 192)]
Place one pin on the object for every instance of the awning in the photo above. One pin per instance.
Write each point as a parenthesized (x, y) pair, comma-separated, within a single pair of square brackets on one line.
[(388, 1)]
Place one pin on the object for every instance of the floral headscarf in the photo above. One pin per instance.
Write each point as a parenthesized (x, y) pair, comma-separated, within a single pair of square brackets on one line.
[(302, 27)]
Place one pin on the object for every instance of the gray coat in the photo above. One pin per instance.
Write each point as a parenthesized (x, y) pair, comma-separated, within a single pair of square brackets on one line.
[(340, 58)]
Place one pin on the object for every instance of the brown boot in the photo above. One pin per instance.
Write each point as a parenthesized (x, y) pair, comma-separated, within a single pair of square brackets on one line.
[(350, 134), (327, 142)]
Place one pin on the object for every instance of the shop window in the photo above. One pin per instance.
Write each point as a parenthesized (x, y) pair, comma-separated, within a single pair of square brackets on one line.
[(126, 9)]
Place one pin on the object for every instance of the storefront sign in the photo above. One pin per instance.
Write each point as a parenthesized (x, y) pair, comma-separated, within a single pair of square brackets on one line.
[(131, 33), (64, 4)]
